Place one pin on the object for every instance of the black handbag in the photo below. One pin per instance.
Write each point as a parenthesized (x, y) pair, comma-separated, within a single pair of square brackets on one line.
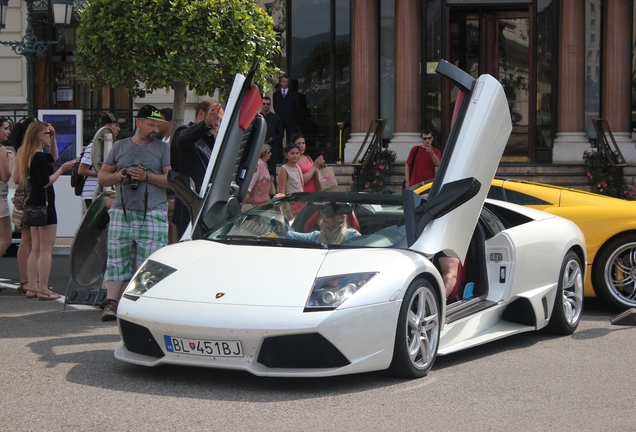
[(35, 215)]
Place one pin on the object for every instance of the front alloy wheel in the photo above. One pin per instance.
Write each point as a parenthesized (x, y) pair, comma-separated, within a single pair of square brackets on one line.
[(417, 337), (568, 303)]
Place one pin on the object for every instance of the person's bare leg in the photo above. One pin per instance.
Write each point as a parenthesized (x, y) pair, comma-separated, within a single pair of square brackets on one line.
[(123, 287), (114, 289), (5, 234), (32, 263), (24, 250), (47, 243), (5, 238), (450, 266)]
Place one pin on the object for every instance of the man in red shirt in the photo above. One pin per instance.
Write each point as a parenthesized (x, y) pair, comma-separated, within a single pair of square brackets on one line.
[(423, 161)]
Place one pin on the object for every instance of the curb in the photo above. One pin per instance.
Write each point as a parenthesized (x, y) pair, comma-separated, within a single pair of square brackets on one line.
[(61, 250)]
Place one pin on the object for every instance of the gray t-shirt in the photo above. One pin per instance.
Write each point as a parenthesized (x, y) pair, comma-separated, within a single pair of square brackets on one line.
[(152, 156)]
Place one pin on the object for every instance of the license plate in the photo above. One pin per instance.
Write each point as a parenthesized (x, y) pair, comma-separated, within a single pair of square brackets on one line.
[(200, 347)]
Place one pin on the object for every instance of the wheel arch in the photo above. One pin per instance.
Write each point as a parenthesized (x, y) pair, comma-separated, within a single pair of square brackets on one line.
[(578, 250), (429, 277), (605, 245), (439, 292), (597, 278)]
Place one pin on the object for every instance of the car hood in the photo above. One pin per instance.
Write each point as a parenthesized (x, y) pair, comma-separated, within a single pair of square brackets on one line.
[(238, 275)]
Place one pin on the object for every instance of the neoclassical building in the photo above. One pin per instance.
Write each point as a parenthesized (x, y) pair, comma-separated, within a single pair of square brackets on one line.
[(561, 62)]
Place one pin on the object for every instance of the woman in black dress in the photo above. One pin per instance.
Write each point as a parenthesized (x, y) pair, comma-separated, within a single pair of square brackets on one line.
[(37, 171)]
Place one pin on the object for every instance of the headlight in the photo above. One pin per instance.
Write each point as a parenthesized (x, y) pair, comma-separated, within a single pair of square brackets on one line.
[(149, 275), (331, 291)]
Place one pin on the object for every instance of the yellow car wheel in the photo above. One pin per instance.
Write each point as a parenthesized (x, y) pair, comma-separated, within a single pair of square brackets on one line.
[(614, 272)]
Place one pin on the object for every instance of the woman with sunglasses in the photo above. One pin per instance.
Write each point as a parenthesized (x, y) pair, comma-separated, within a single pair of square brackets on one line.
[(5, 175), (333, 226), (37, 171)]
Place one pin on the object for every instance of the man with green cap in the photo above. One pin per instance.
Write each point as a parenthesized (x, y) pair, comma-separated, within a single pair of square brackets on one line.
[(137, 168)]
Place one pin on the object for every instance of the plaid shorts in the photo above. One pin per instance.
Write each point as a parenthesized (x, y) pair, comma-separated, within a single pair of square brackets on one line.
[(124, 233)]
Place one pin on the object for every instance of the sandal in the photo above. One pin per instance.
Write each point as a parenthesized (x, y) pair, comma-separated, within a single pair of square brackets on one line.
[(48, 296), (31, 293), (21, 288)]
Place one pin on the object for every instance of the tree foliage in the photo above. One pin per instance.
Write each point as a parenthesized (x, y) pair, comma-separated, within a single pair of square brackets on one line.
[(145, 45)]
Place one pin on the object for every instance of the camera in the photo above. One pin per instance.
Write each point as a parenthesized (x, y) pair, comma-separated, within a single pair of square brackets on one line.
[(134, 184)]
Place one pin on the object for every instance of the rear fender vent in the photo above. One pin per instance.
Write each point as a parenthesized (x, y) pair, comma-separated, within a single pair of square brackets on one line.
[(520, 311)]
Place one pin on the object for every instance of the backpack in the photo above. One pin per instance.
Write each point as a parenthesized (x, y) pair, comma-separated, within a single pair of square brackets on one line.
[(77, 180)]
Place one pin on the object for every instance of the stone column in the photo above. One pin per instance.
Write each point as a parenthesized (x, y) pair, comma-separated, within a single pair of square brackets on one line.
[(13, 77), (571, 141), (364, 72), (617, 72), (407, 78)]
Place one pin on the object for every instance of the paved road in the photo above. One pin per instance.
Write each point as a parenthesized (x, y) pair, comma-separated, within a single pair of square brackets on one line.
[(58, 373)]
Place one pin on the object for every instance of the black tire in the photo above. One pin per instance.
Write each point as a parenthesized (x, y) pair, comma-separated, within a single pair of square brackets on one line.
[(417, 335), (568, 303), (614, 270)]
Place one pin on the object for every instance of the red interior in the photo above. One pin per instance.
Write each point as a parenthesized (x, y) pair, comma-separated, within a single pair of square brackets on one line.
[(252, 103), (458, 103), (461, 271)]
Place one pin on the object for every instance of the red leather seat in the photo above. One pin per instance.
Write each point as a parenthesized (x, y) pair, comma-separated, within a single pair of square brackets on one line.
[(461, 271)]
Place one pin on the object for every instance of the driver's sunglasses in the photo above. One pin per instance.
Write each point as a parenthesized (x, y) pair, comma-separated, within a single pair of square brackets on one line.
[(326, 212)]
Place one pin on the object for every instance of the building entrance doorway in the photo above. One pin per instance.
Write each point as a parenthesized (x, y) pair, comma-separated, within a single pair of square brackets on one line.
[(499, 43)]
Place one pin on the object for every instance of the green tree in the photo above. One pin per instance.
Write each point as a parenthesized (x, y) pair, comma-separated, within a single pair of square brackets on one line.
[(145, 45)]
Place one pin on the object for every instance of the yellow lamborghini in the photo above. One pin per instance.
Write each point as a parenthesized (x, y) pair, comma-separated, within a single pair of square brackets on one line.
[(609, 225)]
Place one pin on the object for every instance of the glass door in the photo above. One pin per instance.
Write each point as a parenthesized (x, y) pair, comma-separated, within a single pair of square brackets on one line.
[(496, 42)]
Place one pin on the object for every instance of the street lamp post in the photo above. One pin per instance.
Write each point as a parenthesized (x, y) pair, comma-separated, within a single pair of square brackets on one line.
[(30, 46)]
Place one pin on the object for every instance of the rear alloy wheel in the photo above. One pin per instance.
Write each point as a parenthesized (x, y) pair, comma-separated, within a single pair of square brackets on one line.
[(568, 303), (614, 272), (417, 336)]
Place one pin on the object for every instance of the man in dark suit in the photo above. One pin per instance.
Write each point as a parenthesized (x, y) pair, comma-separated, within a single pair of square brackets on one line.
[(274, 136), (286, 106)]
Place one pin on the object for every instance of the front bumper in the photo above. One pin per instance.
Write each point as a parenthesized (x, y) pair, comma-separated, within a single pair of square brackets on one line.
[(276, 341)]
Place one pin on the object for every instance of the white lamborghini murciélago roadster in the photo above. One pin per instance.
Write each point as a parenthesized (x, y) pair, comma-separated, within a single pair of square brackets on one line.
[(319, 284)]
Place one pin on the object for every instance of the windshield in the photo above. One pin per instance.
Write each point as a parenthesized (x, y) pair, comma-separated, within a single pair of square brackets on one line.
[(323, 220)]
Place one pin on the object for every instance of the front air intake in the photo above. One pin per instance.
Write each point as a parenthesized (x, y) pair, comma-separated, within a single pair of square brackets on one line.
[(308, 350), (139, 340)]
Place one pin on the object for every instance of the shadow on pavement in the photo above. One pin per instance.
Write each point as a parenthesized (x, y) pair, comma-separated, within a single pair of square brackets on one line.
[(78, 337)]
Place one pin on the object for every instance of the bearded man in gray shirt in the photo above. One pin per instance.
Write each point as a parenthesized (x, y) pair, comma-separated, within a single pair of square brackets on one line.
[(137, 167)]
